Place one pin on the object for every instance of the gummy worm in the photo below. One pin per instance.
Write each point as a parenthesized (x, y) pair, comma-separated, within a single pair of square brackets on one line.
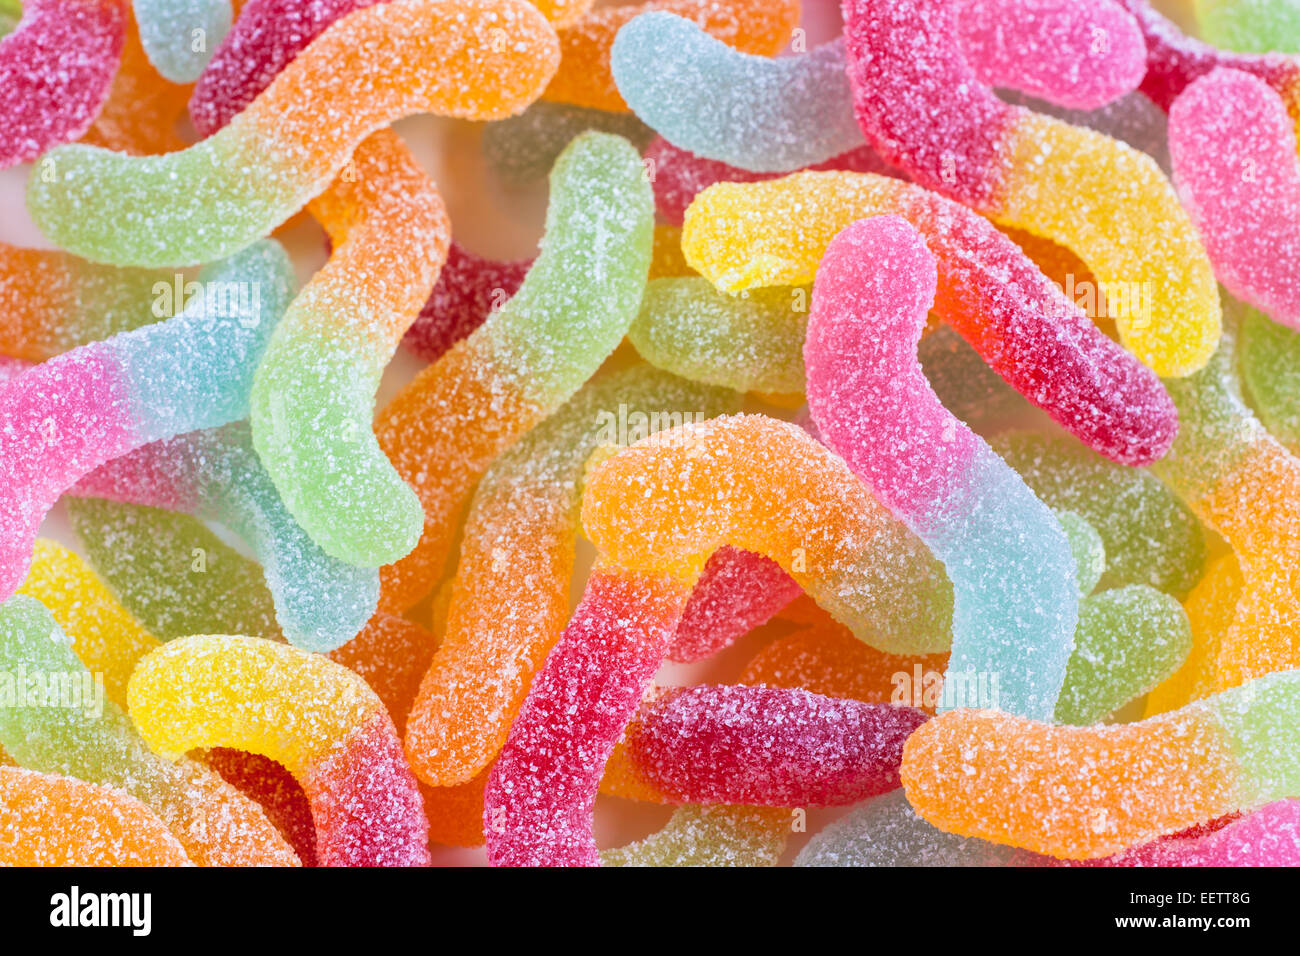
[(314, 716), (170, 30), (71, 414)]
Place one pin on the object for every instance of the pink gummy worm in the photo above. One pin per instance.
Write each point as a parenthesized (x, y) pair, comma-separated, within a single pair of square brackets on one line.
[(55, 69), (63, 418), (541, 794), (678, 175), (880, 271), (12, 367), (1175, 60), (769, 746), (1077, 53), (264, 39), (468, 290), (737, 592), (1270, 836), (1233, 148), (144, 476)]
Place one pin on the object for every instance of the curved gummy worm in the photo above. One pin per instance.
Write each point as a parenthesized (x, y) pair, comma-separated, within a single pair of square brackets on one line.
[(320, 602), (58, 821), (775, 115), (469, 289), (585, 77), (51, 302), (288, 145), (1270, 375), (314, 395), (743, 235), (523, 148), (517, 552), (1014, 592), (95, 742), (1150, 536), (1241, 482), (69, 415), (1086, 792), (1270, 836), (314, 716), (530, 356), (771, 489), (923, 108), (1234, 152), (56, 68), (767, 746), (718, 835), (180, 36)]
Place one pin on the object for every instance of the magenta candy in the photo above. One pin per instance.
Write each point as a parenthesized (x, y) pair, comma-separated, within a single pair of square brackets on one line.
[(738, 591)]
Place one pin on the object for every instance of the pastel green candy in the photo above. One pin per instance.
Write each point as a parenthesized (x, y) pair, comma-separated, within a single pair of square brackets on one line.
[(1128, 640), (752, 342), (1087, 548), (171, 572), (523, 148), (720, 835), (1150, 536), (1269, 365), (1250, 26), (180, 36), (1262, 719)]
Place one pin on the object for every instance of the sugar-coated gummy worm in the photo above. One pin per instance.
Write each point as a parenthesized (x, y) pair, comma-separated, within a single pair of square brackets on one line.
[(523, 148), (220, 194), (314, 716), (1270, 836), (50, 820), (767, 746), (320, 601), (770, 488), (179, 36), (1242, 483), (96, 742), (55, 68), (1270, 375), (1150, 536), (718, 835), (584, 78), (510, 595), (744, 235), (51, 302), (1015, 597), (1235, 166), (1250, 26), (314, 395), (71, 414), (577, 302), (924, 109), (1085, 792)]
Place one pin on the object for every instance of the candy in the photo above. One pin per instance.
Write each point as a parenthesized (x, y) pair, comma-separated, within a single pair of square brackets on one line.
[(585, 77), (528, 358), (1085, 792), (320, 602), (1133, 119), (180, 37), (314, 395), (215, 197), (922, 106), (771, 489), (98, 402), (49, 820), (55, 68), (1015, 598), (1253, 26), (773, 115), (517, 553), (710, 836), (314, 716), (1267, 837), (1150, 536), (61, 725), (1243, 484), (1270, 375), (1234, 153), (737, 591), (768, 746), (740, 236)]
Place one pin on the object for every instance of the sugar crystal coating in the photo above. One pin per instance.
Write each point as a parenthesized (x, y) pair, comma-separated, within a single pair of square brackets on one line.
[(179, 36)]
